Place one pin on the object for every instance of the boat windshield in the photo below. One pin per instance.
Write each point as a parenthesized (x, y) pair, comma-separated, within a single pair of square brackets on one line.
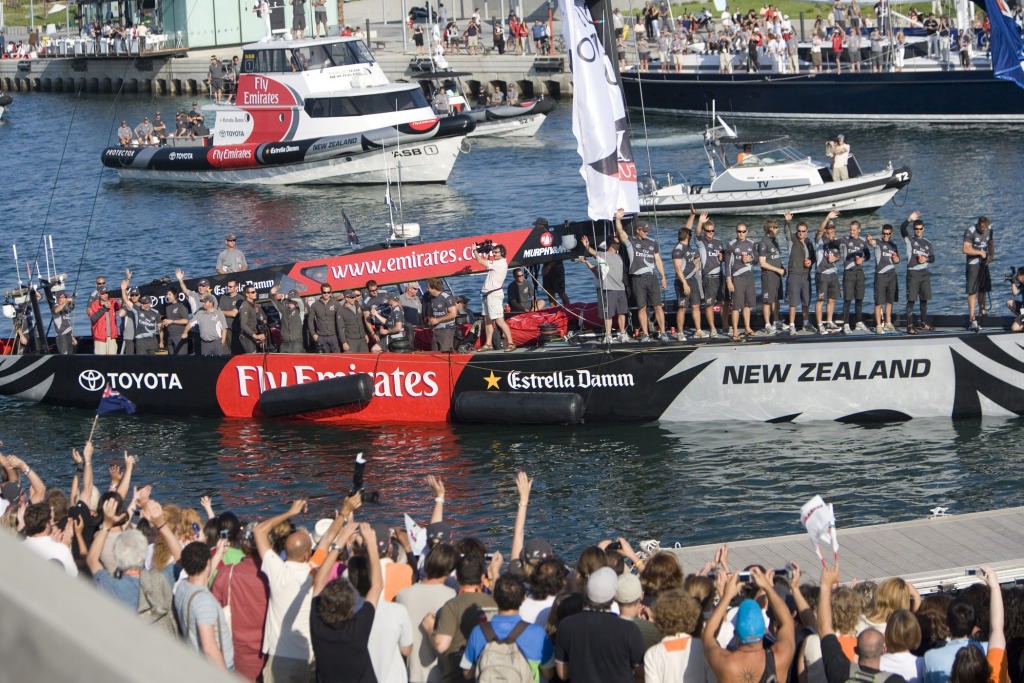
[(360, 104), (291, 59), (778, 155)]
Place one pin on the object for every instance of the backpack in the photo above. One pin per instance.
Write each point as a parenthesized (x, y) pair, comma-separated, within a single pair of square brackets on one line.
[(501, 660)]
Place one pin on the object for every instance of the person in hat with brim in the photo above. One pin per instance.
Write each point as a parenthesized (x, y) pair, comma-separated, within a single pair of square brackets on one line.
[(231, 259), (290, 309)]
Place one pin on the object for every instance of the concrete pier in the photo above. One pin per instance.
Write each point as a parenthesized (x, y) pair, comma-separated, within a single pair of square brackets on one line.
[(932, 553)]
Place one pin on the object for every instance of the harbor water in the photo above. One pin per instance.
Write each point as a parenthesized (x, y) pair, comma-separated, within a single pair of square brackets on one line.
[(689, 484)]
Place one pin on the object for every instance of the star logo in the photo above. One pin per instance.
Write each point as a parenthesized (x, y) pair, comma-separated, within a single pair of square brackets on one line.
[(492, 381)]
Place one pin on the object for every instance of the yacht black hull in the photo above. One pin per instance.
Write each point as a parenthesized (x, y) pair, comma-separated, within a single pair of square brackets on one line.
[(858, 378), (939, 96)]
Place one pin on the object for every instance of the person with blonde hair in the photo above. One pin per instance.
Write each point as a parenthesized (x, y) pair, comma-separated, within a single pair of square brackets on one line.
[(892, 594), (846, 607)]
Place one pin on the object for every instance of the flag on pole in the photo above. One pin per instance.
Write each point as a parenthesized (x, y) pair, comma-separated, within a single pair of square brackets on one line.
[(113, 402), (1007, 44), (598, 118), (353, 238)]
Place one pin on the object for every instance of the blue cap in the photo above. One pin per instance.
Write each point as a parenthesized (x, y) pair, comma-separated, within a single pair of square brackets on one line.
[(749, 622)]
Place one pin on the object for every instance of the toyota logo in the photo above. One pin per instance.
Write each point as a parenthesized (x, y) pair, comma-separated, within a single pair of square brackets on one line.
[(91, 380)]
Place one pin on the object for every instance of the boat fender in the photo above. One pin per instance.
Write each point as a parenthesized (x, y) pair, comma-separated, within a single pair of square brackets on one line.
[(402, 344), (491, 407), (310, 396)]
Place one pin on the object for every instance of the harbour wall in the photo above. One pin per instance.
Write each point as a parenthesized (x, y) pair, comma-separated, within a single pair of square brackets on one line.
[(170, 75)]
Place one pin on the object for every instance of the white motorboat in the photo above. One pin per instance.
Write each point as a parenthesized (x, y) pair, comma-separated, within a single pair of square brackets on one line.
[(521, 119), (317, 111), (768, 176)]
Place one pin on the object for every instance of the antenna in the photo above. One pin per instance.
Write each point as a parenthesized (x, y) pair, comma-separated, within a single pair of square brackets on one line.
[(46, 255), (17, 268)]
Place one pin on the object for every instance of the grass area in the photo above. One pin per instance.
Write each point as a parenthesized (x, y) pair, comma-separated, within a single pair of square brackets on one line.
[(17, 14)]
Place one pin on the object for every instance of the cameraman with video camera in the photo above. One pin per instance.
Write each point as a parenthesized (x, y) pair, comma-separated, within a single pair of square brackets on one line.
[(388, 321), (492, 257), (1016, 304)]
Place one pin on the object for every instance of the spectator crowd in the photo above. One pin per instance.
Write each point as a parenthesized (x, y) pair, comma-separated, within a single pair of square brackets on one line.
[(285, 598)]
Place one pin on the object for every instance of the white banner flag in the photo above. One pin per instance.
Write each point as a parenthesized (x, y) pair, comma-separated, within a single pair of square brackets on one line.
[(417, 535), (819, 519), (598, 118)]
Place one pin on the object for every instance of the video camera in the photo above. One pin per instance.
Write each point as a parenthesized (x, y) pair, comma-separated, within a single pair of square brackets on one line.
[(1011, 277), (485, 247), (358, 474)]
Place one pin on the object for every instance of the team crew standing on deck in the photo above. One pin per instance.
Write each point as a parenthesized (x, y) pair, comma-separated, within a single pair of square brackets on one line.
[(622, 614), (360, 321)]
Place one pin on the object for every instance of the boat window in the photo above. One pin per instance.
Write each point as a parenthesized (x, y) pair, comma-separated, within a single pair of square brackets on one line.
[(278, 60), (364, 105), (352, 52)]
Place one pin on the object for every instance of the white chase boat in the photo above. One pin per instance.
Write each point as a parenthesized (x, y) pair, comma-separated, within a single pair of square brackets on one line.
[(317, 111), (503, 120), (772, 177)]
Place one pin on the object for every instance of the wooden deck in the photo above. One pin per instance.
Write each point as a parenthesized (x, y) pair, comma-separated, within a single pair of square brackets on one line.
[(932, 553)]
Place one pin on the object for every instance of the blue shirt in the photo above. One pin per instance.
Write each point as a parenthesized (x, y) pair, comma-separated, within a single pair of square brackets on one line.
[(533, 643), (938, 662), (124, 589)]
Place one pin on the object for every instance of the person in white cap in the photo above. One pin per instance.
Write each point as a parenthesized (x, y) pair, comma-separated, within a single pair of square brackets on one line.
[(597, 644)]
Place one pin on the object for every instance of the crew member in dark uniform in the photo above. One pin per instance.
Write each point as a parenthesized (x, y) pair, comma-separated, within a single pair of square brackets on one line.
[(920, 253), (176, 316), (61, 311), (252, 323), (291, 324)]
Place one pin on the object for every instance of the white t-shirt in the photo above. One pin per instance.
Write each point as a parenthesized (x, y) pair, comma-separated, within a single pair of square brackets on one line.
[(287, 628), (49, 549), (391, 629), (677, 659), (496, 271), (905, 664), (536, 611)]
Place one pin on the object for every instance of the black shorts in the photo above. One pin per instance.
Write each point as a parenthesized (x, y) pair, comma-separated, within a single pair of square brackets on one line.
[(612, 302), (646, 290), (712, 290), (853, 284), (919, 285), (744, 294), (886, 288), (771, 287), (828, 287), (693, 298), (798, 285), (973, 274)]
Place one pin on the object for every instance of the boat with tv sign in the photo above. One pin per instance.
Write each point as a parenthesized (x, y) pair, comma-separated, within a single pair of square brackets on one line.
[(753, 175)]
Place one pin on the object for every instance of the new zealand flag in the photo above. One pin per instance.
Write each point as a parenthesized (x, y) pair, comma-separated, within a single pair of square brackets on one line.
[(114, 402)]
